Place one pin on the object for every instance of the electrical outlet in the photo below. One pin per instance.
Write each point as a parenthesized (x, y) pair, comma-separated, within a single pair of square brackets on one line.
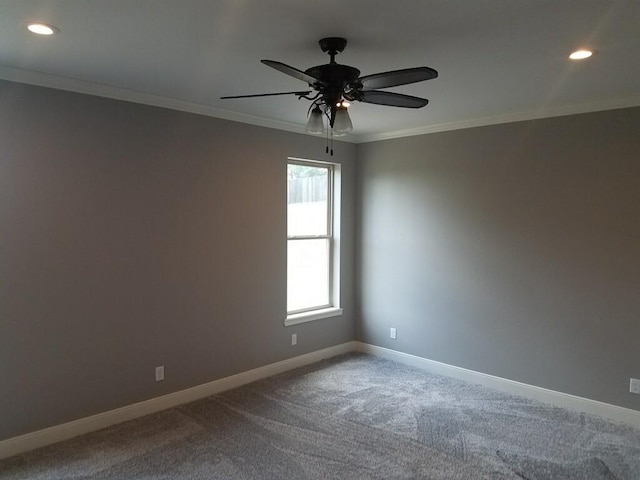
[(294, 339), (634, 386), (160, 373), (393, 333)]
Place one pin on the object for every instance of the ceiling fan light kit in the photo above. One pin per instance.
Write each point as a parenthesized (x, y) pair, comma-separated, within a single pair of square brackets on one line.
[(334, 85)]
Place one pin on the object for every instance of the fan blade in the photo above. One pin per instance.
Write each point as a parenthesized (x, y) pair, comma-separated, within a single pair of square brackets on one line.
[(266, 94), (391, 99), (294, 72), (398, 77)]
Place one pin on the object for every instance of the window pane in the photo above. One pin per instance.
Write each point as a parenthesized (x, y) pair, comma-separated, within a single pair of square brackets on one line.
[(307, 273), (307, 200)]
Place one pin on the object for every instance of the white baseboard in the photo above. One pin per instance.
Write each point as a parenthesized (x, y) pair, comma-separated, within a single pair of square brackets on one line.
[(558, 399), (48, 436)]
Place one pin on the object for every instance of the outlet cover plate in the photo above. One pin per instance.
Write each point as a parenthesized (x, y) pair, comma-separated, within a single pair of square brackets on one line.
[(634, 386), (393, 333), (160, 373)]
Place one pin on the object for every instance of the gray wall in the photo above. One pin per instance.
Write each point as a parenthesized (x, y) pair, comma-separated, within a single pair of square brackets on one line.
[(512, 250), (133, 236)]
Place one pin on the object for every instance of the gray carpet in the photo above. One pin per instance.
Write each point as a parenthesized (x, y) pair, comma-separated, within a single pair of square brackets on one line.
[(351, 417)]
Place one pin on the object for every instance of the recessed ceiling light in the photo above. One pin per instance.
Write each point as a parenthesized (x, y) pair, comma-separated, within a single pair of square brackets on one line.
[(42, 29), (580, 54)]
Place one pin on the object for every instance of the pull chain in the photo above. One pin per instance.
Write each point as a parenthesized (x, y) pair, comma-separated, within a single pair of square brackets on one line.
[(332, 141), (326, 150)]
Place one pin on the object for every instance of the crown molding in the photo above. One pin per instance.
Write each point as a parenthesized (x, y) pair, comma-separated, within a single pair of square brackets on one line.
[(41, 79), (547, 112)]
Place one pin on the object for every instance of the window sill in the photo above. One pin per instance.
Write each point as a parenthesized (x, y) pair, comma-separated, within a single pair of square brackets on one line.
[(304, 317)]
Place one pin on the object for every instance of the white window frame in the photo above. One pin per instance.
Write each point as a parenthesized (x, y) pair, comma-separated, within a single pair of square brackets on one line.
[(333, 308)]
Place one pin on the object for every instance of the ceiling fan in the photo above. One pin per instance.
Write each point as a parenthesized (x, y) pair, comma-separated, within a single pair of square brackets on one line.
[(333, 86)]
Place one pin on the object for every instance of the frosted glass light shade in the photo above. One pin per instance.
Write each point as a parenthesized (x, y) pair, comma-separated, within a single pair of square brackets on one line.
[(342, 123), (315, 125)]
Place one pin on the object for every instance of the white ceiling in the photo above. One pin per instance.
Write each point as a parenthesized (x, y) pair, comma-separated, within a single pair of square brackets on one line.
[(499, 60)]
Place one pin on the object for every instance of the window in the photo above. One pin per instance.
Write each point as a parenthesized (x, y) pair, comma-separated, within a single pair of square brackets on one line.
[(311, 243)]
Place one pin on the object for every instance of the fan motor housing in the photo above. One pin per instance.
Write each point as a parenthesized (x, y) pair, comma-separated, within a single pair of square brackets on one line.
[(334, 75)]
